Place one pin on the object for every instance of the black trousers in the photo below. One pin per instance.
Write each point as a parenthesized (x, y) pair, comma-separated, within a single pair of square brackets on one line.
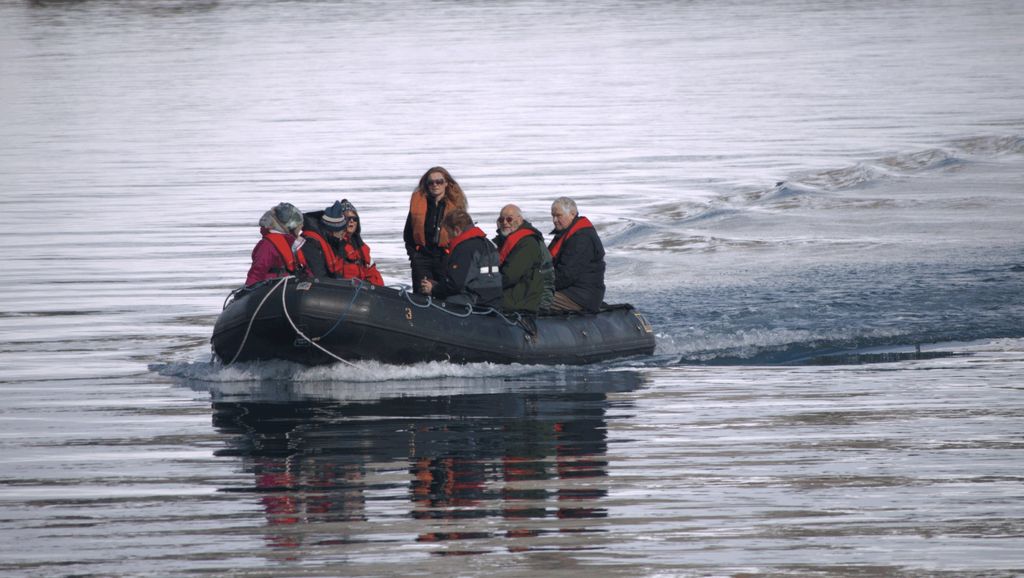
[(426, 265)]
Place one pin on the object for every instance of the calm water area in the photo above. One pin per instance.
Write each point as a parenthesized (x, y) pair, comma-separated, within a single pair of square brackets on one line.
[(819, 206)]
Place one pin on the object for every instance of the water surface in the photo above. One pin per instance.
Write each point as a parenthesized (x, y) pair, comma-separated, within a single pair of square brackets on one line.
[(777, 185)]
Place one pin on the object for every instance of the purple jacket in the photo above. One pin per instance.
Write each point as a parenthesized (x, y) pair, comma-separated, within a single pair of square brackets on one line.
[(267, 262)]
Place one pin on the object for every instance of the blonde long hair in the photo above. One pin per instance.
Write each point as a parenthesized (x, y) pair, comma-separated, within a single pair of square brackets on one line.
[(453, 195)]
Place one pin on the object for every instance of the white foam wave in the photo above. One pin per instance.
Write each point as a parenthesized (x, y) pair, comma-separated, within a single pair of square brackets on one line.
[(359, 372), (699, 345)]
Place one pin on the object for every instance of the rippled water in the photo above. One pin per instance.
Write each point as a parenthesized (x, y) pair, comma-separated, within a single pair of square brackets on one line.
[(787, 190)]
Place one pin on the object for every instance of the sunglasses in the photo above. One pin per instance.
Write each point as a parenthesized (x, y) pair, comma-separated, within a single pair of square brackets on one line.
[(506, 219), (353, 219), (437, 182)]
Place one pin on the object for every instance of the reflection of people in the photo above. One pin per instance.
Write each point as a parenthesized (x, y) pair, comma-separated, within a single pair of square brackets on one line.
[(278, 253), (354, 253), (578, 256), (471, 273), (527, 275), (425, 238), (479, 466)]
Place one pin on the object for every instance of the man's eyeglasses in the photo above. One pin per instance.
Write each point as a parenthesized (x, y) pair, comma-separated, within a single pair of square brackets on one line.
[(437, 182), (506, 219)]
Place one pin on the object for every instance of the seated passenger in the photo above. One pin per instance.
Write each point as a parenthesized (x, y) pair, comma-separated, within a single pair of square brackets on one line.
[(354, 253), (470, 265), (278, 253), (323, 229), (527, 275), (578, 256)]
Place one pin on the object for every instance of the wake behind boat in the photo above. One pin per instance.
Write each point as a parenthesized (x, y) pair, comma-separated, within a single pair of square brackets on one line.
[(347, 320)]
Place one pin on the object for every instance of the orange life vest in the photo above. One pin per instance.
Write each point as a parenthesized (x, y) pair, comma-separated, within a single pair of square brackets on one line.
[(581, 223), (280, 242), (510, 243), (418, 210)]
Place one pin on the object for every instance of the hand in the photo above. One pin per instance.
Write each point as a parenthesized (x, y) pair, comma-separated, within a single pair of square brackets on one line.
[(426, 286)]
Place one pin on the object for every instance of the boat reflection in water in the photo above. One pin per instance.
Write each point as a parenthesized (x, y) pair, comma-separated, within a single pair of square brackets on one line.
[(512, 465)]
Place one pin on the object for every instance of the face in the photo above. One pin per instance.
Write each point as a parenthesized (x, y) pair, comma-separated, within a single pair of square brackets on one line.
[(509, 221), (353, 222), (437, 185), (561, 219)]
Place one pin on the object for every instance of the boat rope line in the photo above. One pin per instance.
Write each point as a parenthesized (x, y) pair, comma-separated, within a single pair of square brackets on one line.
[(282, 282), (404, 290), (284, 308), (344, 314), (245, 338)]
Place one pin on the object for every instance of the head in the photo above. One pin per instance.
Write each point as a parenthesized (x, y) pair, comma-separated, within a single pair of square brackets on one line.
[(509, 220), (352, 216), (457, 222), (563, 211), (333, 220), (439, 184), (283, 218)]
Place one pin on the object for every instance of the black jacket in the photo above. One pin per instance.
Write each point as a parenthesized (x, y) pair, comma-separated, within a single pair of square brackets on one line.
[(313, 251), (471, 274), (579, 267), (432, 229)]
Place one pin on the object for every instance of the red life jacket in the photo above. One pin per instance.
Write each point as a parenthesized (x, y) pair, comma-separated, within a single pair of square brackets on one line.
[(510, 243), (334, 265), (280, 242), (581, 223), (465, 236), (356, 263)]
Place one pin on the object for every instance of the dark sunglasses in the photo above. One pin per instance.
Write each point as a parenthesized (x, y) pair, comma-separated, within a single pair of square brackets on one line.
[(506, 219), (353, 219), (437, 182)]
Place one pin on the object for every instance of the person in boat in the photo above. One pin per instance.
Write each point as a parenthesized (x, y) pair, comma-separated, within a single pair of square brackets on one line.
[(527, 274), (336, 248), (472, 275), (279, 252), (354, 252), (436, 195), (578, 257), (323, 231)]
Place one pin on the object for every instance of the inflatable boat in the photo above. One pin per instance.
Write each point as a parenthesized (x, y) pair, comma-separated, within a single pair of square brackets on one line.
[(345, 320)]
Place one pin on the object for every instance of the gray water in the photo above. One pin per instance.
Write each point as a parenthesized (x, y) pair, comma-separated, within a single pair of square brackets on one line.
[(797, 195)]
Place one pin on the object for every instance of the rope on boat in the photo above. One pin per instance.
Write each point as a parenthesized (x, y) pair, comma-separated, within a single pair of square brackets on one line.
[(344, 314), (284, 307), (254, 314), (470, 310), (403, 290)]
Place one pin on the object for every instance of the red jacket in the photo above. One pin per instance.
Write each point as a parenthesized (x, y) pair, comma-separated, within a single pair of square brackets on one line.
[(356, 264)]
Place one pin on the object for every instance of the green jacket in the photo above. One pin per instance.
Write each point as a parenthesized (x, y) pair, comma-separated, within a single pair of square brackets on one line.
[(527, 276)]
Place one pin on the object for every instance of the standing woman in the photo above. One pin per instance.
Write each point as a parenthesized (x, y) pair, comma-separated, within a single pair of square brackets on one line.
[(354, 253), (437, 194)]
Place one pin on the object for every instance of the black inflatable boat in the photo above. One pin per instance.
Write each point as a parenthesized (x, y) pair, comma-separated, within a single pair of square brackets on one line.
[(347, 320)]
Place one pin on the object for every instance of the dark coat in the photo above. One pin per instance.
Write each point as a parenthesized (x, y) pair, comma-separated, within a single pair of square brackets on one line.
[(431, 229), (579, 267), (527, 276), (471, 274), (315, 259)]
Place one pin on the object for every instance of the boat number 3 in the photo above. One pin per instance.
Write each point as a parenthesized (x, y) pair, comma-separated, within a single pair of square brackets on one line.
[(408, 313)]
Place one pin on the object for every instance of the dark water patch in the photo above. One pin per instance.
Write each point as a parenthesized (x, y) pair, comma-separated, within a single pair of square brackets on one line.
[(886, 357), (842, 313)]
